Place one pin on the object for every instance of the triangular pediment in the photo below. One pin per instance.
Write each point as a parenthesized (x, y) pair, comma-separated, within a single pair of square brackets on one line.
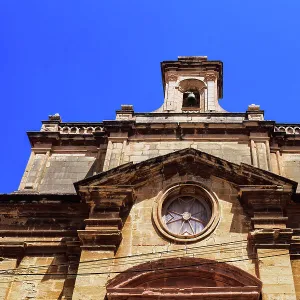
[(182, 162)]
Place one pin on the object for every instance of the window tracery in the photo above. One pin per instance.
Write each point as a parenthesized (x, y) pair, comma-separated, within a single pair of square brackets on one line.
[(186, 215), (186, 212)]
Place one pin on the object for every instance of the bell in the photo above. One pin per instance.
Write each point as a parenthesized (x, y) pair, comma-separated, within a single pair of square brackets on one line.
[(191, 99)]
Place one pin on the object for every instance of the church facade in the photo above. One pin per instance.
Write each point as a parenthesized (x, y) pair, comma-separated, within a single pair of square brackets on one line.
[(187, 202)]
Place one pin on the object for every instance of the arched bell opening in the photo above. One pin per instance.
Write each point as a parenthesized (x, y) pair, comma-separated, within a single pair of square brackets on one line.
[(193, 94), (184, 278), (191, 99)]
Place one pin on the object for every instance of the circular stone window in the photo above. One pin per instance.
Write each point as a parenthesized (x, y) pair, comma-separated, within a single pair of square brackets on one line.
[(186, 212)]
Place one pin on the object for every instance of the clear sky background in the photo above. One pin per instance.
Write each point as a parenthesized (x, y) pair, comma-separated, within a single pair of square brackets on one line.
[(83, 59)]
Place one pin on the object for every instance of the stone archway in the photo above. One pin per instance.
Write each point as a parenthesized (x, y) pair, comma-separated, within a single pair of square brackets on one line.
[(184, 278)]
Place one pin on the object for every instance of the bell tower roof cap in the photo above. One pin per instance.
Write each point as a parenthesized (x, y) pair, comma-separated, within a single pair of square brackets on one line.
[(192, 58)]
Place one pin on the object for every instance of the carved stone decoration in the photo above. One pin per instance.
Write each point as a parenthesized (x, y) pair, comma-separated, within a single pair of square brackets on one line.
[(186, 212), (55, 117), (210, 77), (186, 215), (287, 129), (191, 84), (256, 117), (253, 107), (76, 129), (267, 207), (190, 111), (171, 76), (103, 227), (197, 278), (49, 127)]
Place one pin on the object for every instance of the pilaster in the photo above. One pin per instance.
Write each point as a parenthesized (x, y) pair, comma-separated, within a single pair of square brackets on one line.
[(116, 147), (260, 151), (275, 272), (6, 281), (271, 238), (212, 92), (101, 237)]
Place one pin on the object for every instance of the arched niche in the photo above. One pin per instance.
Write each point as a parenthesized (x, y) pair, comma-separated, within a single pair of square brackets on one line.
[(184, 278), (191, 84), (196, 88)]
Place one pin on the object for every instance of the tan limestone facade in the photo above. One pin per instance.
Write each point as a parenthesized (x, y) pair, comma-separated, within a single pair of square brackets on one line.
[(186, 202)]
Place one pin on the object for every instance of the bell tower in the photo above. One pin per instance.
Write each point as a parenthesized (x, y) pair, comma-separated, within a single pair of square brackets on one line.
[(192, 83)]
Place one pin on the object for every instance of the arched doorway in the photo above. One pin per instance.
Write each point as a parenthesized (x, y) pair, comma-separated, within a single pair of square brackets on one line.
[(184, 278)]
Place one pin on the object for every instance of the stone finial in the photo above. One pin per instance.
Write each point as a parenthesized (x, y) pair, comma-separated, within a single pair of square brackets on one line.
[(253, 107), (254, 113), (126, 107), (126, 112), (55, 117)]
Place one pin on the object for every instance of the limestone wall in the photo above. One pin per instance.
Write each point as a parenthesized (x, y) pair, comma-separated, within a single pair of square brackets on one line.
[(135, 152), (291, 166), (140, 236), (63, 169), (296, 273), (55, 170), (34, 239), (41, 285), (276, 274)]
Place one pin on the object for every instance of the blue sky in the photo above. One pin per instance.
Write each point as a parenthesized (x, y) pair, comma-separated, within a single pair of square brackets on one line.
[(84, 59)]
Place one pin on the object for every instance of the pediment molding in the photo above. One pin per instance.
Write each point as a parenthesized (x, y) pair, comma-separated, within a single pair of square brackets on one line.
[(186, 161), (111, 194)]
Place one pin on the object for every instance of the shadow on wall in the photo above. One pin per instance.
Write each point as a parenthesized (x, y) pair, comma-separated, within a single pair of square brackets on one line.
[(97, 166), (57, 272)]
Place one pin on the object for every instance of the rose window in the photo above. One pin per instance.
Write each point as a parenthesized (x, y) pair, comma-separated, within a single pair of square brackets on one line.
[(186, 215), (186, 212)]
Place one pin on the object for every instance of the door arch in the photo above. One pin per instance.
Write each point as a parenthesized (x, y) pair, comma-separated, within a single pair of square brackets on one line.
[(184, 278)]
